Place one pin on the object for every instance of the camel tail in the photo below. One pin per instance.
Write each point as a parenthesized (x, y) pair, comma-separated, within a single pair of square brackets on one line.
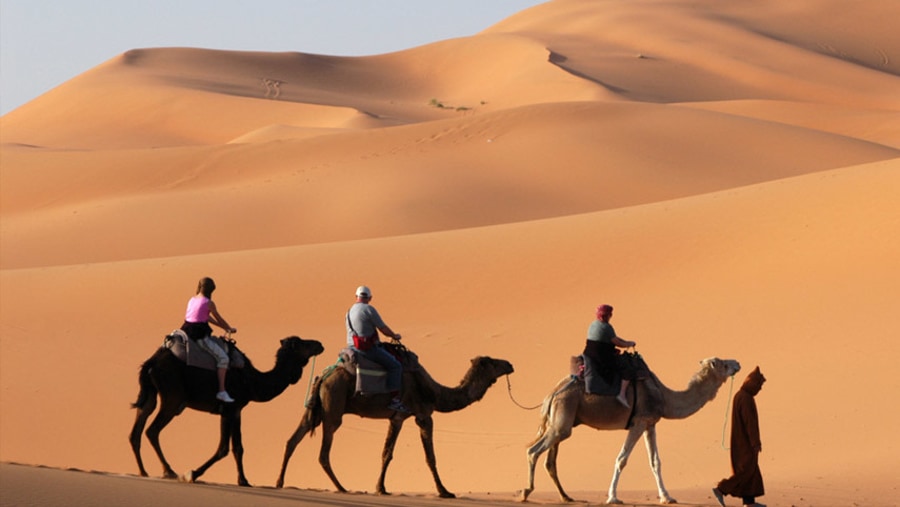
[(313, 414), (148, 389)]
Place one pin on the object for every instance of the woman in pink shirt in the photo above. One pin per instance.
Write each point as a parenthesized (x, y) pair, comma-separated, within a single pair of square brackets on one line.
[(201, 312)]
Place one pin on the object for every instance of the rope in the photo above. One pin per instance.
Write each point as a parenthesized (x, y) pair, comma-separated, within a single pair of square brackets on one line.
[(509, 389), (725, 422), (312, 374)]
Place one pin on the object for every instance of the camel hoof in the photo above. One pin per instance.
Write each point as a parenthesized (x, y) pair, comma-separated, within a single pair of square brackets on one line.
[(523, 495), (244, 483), (170, 475), (446, 494), (613, 501), (667, 501), (194, 476)]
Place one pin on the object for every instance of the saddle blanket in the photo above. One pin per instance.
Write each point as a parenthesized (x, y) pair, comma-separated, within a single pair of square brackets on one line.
[(371, 377), (585, 368), (185, 349), (594, 383)]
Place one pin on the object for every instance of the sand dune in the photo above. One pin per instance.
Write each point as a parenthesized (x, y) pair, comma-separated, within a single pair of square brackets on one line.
[(725, 174)]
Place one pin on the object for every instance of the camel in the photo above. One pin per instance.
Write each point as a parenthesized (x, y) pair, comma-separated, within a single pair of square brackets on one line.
[(568, 406), (333, 396), (179, 385)]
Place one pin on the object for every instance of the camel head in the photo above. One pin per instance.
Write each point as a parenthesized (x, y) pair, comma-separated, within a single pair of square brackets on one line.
[(493, 369), (296, 351), (720, 368)]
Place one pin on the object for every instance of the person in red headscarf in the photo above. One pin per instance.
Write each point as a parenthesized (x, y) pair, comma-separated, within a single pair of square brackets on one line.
[(746, 481), (601, 348)]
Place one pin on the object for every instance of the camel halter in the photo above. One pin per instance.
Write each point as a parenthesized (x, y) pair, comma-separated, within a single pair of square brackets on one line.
[(725, 422)]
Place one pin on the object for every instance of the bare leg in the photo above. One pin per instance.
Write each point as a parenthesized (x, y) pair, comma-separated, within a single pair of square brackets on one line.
[(622, 397), (221, 372)]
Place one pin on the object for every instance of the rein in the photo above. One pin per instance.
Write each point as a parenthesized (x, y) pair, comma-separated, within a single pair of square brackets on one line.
[(312, 373), (725, 422), (509, 390)]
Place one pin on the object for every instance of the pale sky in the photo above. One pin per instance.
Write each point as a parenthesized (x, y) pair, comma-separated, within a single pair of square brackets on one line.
[(44, 43)]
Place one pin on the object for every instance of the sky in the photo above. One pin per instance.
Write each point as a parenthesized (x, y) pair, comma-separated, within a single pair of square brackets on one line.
[(44, 43)]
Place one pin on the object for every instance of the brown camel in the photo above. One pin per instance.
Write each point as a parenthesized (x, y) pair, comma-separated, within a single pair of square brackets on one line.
[(333, 396), (179, 385), (568, 406)]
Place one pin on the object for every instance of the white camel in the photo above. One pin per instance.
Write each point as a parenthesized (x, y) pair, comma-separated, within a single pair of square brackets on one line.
[(568, 406)]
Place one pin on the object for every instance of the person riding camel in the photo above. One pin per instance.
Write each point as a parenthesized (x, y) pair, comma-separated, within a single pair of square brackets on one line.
[(363, 324), (601, 348), (200, 313)]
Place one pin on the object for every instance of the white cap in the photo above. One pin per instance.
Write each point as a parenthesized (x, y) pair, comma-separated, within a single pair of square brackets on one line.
[(363, 292)]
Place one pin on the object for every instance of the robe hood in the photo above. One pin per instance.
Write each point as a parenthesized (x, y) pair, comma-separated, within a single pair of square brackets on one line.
[(754, 382)]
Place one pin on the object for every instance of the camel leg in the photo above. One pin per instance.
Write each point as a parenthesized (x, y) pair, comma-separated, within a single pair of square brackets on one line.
[(534, 452), (387, 454), (550, 465), (302, 429), (328, 430), (140, 420), (226, 425), (165, 415), (426, 431), (656, 464), (237, 448), (554, 430), (622, 459)]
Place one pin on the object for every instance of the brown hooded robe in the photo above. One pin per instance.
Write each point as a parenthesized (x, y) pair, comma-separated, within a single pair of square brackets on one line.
[(745, 443)]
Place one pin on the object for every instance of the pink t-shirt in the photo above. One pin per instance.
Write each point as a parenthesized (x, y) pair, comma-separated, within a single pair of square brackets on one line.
[(197, 309)]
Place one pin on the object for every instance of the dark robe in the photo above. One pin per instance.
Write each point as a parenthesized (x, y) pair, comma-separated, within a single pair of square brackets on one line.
[(746, 481)]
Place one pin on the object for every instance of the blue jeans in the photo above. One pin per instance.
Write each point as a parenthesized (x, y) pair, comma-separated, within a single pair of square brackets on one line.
[(381, 356)]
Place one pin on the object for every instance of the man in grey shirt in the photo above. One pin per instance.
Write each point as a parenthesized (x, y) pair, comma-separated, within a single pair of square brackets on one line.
[(363, 323)]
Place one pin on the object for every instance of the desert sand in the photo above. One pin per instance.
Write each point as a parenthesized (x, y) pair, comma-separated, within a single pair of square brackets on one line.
[(724, 173)]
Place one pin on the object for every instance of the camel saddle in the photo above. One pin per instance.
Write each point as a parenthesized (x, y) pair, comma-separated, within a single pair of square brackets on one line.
[(371, 377), (586, 369), (185, 349)]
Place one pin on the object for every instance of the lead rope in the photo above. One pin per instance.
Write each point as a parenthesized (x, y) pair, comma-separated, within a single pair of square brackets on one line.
[(509, 389), (312, 371), (725, 422)]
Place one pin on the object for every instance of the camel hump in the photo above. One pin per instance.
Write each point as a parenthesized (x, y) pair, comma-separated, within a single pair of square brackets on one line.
[(371, 377), (606, 380), (193, 355)]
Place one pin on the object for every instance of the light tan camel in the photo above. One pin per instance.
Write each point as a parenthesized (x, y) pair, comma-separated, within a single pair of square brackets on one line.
[(333, 396), (568, 406)]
